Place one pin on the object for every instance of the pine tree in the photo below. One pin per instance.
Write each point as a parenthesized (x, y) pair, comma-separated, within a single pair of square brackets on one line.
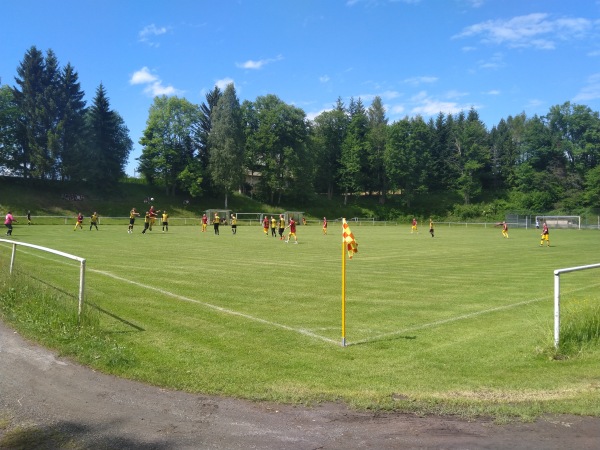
[(109, 144)]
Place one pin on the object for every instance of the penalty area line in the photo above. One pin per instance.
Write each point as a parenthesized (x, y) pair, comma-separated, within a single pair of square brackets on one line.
[(218, 308)]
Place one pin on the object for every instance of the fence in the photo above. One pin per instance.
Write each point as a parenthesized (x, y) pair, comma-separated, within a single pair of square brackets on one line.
[(55, 252), (254, 219), (557, 273)]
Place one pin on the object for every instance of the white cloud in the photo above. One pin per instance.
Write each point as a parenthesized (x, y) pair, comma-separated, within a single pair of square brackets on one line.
[(492, 92), (255, 65), (150, 31), (395, 110), (496, 61), (143, 76), (591, 91), (222, 83), (153, 84), (428, 106), (312, 114), (535, 30), (415, 81), (324, 79), (455, 94)]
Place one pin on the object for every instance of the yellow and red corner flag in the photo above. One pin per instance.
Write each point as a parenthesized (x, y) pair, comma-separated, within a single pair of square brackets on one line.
[(349, 240)]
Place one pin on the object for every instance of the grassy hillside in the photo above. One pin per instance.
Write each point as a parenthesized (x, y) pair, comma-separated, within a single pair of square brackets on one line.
[(46, 198)]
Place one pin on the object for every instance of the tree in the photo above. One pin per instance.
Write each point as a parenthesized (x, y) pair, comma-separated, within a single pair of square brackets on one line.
[(226, 142), (277, 140), (36, 99), (376, 137), (71, 126), (168, 144), (199, 166), (9, 116), (354, 151), (329, 132), (108, 142), (472, 154)]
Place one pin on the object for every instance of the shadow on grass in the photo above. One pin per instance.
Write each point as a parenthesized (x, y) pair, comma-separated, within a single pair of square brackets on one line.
[(75, 435), (71, 295), (381, 339), (114, 316)]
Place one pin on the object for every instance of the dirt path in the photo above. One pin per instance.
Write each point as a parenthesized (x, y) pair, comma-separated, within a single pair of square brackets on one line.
[(58, 403)]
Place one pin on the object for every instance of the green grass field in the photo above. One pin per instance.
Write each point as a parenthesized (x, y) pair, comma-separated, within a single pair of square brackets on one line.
[(461, 323)]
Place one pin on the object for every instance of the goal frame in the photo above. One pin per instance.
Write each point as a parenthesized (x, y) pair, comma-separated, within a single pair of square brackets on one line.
[(55, 252), (555, 221)]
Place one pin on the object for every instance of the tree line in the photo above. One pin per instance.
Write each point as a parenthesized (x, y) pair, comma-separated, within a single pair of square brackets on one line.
[(273, 152), (48, 133)]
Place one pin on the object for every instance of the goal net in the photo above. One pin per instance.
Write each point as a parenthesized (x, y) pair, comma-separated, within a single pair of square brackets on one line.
[(559, 221)]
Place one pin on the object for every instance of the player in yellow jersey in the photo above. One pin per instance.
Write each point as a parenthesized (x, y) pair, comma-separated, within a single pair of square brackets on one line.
[(233, 224), (94, 221), (146, 222), (545, 235), (165, 221), (132, 215), (505, 230), (216, 223), (431, 227), (273, 226), (281, 226)]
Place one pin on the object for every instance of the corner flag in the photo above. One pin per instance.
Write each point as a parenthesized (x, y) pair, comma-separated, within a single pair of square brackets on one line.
[(349, 240)]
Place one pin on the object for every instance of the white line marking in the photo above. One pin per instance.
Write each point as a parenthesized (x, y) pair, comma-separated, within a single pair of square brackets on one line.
[(218, 308), (457, 318)]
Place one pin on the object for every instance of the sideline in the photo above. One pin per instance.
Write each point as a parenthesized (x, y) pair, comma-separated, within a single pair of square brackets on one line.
[(217, 308)]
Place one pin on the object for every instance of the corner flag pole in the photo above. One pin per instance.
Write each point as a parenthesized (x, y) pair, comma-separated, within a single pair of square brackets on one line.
[(343, 290)]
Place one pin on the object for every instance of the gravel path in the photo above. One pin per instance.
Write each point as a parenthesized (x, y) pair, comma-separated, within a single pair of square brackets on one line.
[(51, 402)]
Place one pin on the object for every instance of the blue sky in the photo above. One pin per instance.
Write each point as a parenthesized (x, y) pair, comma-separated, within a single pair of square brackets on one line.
[(502, 57)]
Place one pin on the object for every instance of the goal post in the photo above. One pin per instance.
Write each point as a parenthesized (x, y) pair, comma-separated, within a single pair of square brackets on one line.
[(55, 252), (557, 274), (560, 221)]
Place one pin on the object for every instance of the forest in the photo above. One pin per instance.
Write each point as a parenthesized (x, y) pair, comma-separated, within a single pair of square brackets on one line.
[(271, 151)]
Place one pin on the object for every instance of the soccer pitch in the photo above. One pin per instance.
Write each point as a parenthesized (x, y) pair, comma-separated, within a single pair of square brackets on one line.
[(458, 319)]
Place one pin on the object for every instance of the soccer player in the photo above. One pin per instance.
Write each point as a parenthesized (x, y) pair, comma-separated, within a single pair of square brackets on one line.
[(505, 229), (233, 224), (94, 221), (292, 227), (146, 222), (216, 222), (165, 221), (414, 226), (324, 225), (266, 226), (431, 226), (281, 226), (8, 221), (132, 215), (153, 212), (204, 222), (545, 235), (28, 217), (273, 226), (79, 222)]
